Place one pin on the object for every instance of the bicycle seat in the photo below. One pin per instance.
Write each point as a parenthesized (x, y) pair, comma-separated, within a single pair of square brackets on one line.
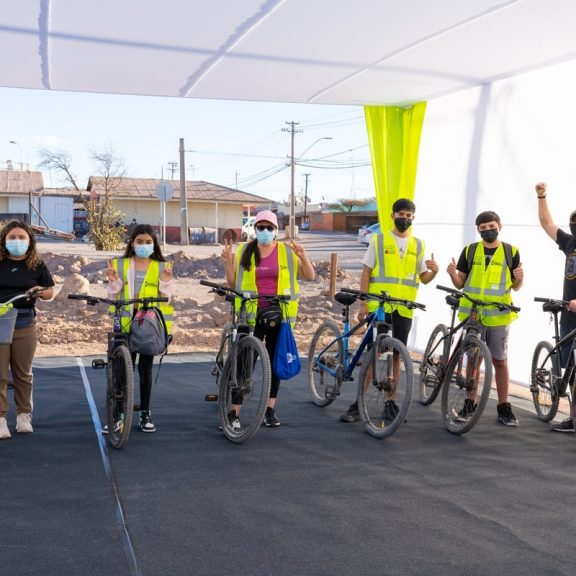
[(345, 298), (452, 300)]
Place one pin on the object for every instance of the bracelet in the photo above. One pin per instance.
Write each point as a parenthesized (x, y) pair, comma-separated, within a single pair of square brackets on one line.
[(541, 197)]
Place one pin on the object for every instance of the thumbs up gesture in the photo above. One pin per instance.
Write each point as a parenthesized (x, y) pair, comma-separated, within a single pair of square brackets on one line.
[(452, 268), (432, 264), (518, 272), (111, 272)]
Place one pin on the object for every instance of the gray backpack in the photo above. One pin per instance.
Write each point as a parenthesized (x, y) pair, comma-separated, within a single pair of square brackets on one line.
[(148, 332)]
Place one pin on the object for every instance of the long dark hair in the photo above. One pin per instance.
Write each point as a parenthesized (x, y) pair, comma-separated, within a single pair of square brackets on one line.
[(144, 229), (32, 257), (246, 260)]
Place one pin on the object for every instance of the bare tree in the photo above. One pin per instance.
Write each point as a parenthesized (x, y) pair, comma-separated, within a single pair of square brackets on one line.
[(347, 204), (102, 216)]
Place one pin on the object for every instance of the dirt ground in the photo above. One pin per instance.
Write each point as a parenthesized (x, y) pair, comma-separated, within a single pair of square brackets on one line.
[(69, 327)]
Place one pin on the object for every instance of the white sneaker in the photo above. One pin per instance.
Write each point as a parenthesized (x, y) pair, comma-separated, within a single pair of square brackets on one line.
[(4, 432), (24, 424)]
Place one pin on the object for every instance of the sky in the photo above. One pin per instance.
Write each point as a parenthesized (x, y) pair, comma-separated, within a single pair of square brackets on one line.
[(237, 144)]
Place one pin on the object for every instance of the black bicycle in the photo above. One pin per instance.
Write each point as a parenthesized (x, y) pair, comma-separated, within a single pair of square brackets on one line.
[(119, 368), (384, 385), (456, 369), (548, 383), (242, 367)]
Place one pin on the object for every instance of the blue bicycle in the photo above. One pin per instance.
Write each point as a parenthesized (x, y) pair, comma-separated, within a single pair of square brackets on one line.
[(386, 379)]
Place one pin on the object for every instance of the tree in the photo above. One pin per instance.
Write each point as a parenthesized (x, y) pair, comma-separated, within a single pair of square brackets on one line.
[(347, 204), (101, 214)]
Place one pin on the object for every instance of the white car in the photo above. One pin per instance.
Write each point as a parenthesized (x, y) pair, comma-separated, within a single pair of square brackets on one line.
[(248, 231), (364, 234)]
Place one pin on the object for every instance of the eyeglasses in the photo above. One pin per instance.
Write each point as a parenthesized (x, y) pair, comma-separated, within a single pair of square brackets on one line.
[(261, 228)]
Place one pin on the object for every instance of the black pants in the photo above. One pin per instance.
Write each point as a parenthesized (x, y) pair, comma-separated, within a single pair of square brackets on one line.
[(269, 336), (145, 364)]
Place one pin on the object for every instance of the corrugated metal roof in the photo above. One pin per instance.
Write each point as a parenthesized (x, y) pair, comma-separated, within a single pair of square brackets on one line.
[(195, 190), (20, 182)]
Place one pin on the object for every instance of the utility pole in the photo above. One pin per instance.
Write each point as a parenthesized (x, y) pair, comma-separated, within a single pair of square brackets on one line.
[(183, 203), (292, 131), (306, 197), (172, 167)]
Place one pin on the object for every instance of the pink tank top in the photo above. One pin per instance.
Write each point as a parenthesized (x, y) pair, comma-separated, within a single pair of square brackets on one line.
[(267, 276)]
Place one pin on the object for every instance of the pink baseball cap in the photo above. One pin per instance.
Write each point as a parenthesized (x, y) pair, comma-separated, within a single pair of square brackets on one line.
[(267, 216)]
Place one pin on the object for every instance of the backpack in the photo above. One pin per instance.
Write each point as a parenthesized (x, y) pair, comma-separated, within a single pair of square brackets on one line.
[(148, 332), (507, 253)]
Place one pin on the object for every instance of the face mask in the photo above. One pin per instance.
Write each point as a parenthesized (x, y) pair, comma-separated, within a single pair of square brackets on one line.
[(144, 250), (402, 224), (489, 236), (265, 236), (573, 228), (17, 247)]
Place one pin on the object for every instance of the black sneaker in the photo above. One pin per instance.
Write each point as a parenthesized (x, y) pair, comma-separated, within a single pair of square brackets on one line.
[(146, 424), (391, 411), (564, 426), (270, 418), (352, 414), (467, 410), (505, 414)]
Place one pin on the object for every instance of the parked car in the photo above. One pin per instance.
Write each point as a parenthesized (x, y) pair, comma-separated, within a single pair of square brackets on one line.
[(364, 234), (248, 232)]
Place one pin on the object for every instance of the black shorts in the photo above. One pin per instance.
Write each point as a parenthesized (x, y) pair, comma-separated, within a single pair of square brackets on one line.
[(401, 326)]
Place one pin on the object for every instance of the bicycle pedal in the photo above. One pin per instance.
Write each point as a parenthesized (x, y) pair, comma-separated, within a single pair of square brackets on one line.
[(137, 408), (211, 397), (214, 371), (99, 364)]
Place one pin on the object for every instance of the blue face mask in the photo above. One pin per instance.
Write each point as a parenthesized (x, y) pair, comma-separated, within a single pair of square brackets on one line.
[(144, 250), (265, 236), (17, 247)]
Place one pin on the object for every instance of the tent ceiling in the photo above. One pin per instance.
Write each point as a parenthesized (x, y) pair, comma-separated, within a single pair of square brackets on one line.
[(310, 51)]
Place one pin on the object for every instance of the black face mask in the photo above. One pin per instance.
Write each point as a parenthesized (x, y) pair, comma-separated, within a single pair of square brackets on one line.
[(573, 228), (402, 224), (489, 235)]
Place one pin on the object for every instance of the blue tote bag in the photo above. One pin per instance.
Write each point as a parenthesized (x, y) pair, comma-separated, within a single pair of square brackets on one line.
[(286, 361)]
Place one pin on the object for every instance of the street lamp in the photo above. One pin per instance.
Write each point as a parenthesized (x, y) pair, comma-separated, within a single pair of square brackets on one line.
[(29, 186), (292, 195)]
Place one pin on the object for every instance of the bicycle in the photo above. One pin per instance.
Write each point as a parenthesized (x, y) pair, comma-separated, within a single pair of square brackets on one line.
[(119, 368), (331, 362), (242, 368), (456, 369), (548, 383)]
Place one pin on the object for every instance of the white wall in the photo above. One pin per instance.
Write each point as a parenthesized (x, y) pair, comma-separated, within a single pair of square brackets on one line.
[(484, 149)]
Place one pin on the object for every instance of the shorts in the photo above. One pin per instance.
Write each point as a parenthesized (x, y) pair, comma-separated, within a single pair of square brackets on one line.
[(496, 337), (401, 326)]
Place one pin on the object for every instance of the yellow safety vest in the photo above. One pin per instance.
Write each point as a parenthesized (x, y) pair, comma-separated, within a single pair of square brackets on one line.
[(492, 283), (399, 277), (287, 283), (150, 289)]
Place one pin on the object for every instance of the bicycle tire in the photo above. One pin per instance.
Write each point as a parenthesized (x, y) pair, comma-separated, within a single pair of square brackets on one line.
[(253, 374), (433, 365), (544, 380), (119, 396), (323, 386), (457, 385), (379, 417)]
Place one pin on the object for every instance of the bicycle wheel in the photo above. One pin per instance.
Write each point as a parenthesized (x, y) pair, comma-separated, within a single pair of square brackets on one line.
[(323, 385), (119, 396), (433, 365), (544, 381), (383, 402), (466, 386), (250, 394)]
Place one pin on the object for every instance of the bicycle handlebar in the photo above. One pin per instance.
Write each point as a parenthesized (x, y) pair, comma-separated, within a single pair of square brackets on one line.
[(481, 303), (552, 305), (93, 300), (223, 290), (384, 297), (29, 294)]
